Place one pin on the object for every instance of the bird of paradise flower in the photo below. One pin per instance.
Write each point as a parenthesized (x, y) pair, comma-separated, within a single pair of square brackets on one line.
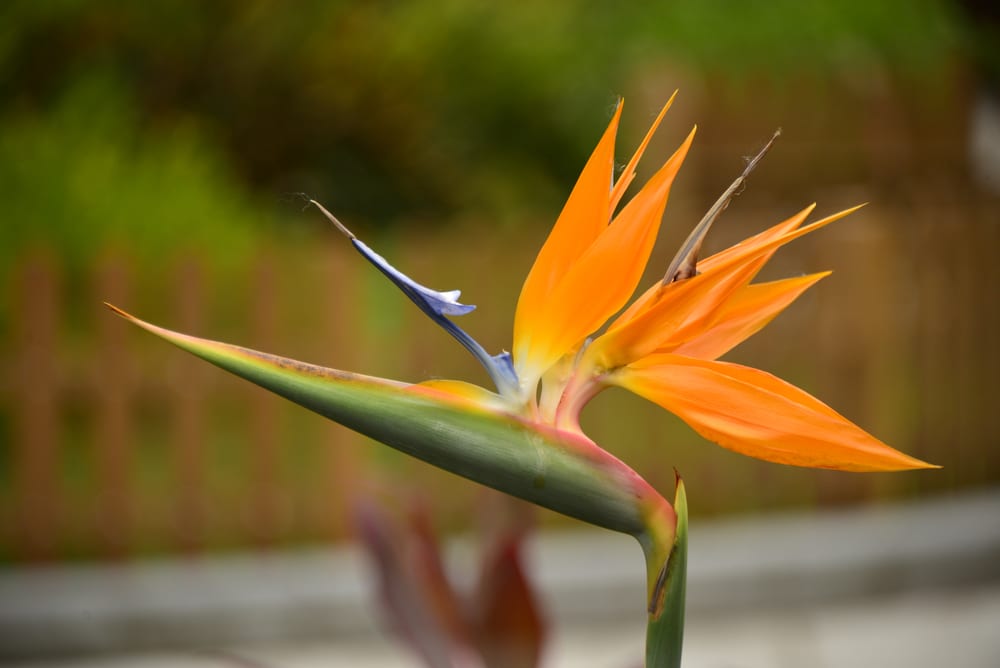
[(524, 437)]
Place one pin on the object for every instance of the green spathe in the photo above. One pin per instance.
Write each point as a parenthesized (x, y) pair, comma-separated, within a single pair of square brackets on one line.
[(558, 470)]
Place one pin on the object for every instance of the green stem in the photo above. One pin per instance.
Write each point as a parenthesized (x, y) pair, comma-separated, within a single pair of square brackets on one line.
[(665, 548)]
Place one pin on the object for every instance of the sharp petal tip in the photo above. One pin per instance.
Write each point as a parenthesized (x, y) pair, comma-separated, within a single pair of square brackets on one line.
[(907, 463), (118, 311)]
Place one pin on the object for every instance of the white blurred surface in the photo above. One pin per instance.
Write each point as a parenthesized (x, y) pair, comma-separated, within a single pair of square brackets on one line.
[(956, 629), (912, 586)]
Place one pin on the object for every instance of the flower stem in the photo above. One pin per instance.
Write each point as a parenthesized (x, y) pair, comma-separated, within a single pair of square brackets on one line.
[(665, 549)]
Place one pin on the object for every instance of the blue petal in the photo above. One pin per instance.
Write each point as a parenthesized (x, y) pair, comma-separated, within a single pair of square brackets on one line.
[(437, 305), (441, 303), (505, 364)]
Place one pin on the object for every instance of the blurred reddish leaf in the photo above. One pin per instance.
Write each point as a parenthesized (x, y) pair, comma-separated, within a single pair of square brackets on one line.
[(510, 629), (416, 596), (500, 627)]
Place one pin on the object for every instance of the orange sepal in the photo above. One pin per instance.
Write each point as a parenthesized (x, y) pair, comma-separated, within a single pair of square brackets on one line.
[(622, 184), (601, 280), (756, 414), (584, 217), (693, 302), (742, 316), (653, 293)]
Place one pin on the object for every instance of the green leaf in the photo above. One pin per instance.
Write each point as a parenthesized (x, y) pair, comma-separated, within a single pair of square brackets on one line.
[(558, 470), (665, 626)]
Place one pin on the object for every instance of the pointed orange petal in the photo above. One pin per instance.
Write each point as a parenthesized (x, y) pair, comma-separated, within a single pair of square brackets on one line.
[(769, 241), (693, 302), (761, 238), (629, 172), (602, 279), (584, 216), (774, 232), (742, 316), (756, 414)]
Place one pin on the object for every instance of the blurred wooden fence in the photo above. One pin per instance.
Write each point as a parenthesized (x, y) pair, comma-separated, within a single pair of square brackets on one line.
[(116, 444), (110, 449)]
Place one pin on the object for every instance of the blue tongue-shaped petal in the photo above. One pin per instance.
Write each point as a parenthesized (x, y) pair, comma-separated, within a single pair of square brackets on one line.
[(430, 301), (437, 305)]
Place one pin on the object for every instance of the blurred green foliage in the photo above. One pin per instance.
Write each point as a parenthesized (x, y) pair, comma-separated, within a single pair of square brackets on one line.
[(151, 122), (82, 177)]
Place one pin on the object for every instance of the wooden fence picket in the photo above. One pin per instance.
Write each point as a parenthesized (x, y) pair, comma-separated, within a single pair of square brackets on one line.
[(38, 513), (187, 399), (114, 439)]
